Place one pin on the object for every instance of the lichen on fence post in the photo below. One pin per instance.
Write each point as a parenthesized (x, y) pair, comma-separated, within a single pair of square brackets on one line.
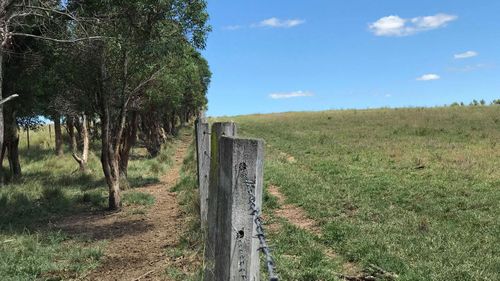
[(219, 130)]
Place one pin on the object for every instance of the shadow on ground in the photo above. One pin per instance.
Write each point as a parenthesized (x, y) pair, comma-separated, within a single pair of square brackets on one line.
[(93, 228)]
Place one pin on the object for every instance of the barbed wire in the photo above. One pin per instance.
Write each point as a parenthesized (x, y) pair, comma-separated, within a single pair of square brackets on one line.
[(257, 219)]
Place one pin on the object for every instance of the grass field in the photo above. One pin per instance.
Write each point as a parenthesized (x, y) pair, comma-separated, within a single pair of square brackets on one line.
[(415, 191), (30, 249)]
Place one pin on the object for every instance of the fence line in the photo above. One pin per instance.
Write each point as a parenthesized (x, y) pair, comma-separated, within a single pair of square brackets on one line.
[(212, 231), (257, 219), (203, 165), (234, 228)]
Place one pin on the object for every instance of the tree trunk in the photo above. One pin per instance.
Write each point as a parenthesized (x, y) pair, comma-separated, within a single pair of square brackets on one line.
[(152, 133), (70, 125), (2, 156), (109, 160), (1, 116), (173, 124), (83, 160), (58, 135), (13, 155), (94, 130), (11, 141), (110, 140), (129, 141), (166, 127), (79, 134), (28, 136)]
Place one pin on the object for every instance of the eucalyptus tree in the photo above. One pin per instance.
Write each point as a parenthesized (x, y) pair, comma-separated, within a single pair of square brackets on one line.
[(141, 33), (71, 98), (45, 20), (177, 95), (21, 64)]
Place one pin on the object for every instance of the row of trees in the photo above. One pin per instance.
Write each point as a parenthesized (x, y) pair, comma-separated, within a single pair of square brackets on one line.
[(476, 103), (118, 70)]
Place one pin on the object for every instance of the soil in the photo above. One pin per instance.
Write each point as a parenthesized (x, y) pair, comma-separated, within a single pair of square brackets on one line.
[(136, 244), (295, 215)]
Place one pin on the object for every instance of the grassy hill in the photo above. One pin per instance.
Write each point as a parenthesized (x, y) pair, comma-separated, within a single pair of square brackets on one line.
[(415, 192)]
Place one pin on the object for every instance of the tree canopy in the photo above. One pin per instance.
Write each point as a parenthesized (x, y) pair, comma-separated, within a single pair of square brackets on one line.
[(117, 71)]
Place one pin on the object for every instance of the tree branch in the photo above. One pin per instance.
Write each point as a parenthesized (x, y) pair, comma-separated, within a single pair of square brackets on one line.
[(55, 11), (149, 80), (59, 40), (23, 15), (8, 98)]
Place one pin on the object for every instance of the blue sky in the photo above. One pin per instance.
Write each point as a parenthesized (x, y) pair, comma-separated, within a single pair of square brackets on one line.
[(275, 56)]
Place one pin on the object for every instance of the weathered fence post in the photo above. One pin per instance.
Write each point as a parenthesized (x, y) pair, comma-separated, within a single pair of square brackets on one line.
[(240, 177), (203, 161), (218, 130)]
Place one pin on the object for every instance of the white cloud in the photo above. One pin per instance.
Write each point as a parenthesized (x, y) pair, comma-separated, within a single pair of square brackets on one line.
[(466, 55), (469, 68), (432, 22), (278, 23), (388, 26), (296, 94), (429, 77), (232, 27), (396, 26)]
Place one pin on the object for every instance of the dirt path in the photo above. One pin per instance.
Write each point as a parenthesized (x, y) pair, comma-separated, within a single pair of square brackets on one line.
[(136, 243), (298, 217), (295, 215)]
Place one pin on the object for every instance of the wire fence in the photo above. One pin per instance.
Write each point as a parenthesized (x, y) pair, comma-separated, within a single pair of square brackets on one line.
[(236, 240), (258, 223)]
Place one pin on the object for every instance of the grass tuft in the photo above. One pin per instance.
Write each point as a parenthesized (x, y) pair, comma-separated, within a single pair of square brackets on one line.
[(138, 198)]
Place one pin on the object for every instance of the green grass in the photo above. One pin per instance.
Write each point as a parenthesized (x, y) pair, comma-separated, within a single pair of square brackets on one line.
[(27, 256), (51, 189), (138, 198), (413, 191)]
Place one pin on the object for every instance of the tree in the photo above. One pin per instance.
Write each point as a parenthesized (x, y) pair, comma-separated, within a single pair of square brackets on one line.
[(20, 69), (144, 33), (82, 159), (182, 90), (71, 85), (44, 20), (142, 76)]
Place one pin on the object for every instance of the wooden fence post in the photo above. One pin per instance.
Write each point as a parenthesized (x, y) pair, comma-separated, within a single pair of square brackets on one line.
[(218, 130), (202, 130), (240, 179), (28, 136)]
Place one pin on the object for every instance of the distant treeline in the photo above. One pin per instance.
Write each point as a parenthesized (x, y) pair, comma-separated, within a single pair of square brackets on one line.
[(477, 103)]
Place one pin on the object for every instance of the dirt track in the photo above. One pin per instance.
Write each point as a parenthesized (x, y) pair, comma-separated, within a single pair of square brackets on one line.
[(136, 244)]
